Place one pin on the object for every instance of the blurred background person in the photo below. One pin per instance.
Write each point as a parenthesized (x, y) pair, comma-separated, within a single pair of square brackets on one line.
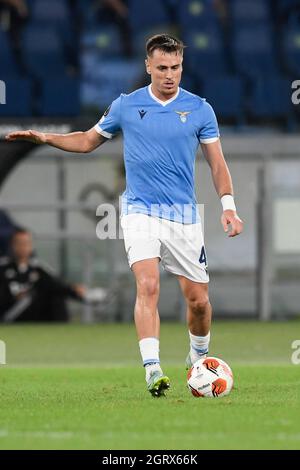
[(115, 12), (13, 17), (29, 291), (7, 227)]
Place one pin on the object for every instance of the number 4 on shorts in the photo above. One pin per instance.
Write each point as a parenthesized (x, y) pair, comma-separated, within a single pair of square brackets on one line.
[(202, 258)]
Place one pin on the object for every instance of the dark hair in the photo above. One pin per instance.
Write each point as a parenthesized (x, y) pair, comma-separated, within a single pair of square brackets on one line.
[(18, 231), (165, 43)]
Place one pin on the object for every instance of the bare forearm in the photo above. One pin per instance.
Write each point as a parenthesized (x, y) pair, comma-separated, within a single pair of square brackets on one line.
[(222, 180), (80, 142), (219, 169), (223, 184), (73, 142)]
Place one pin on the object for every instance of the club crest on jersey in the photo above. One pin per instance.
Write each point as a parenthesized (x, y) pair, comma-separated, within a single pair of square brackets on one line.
[(183, 115)]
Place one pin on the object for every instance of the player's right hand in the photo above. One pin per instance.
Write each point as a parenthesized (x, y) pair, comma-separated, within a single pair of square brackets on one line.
[(30, 135)]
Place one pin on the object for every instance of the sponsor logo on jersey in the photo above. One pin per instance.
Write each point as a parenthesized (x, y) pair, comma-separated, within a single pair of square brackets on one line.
[(142, 113)]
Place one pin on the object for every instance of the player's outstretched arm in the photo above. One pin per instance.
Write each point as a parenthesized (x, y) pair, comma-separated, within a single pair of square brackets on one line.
[(223, 184), (81, 142)]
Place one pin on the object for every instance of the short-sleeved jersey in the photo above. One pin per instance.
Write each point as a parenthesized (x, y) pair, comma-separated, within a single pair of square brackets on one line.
[(161, 139)]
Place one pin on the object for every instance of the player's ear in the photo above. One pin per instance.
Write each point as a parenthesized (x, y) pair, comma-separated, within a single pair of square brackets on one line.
[(147, 66)]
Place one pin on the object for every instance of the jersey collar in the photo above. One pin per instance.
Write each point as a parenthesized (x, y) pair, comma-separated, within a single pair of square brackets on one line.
[(163, 103)]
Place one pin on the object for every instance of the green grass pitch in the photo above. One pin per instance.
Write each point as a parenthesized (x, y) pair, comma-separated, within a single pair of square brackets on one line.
[(82, 387)]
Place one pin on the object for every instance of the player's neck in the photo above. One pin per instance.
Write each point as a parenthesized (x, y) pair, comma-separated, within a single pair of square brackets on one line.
[(160, 96)]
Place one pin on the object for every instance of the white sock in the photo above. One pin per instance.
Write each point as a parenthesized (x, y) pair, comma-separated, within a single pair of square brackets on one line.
[(150, 368), (149, 348), (199, 346)]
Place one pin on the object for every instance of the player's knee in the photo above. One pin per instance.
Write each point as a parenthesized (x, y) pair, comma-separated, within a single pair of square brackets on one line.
[(148, 286), (199, 305)]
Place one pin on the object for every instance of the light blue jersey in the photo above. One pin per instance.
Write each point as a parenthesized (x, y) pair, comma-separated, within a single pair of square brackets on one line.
[(161, 139)]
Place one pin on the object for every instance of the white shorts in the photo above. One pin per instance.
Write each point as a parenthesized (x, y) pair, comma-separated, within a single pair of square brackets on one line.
[(180, 247)]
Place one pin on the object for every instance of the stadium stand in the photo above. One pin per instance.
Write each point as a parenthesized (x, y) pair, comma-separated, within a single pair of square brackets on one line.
[(104, 42), (270, 98), (204, 55), (60, 96), (196, 14), (250, 11), (253, 50), (9, 67), (226, 96), (43, 51), (58, 15), (110, 79), (19, 98), (285, 7), (95, 51), (291, 47), (142, 17)]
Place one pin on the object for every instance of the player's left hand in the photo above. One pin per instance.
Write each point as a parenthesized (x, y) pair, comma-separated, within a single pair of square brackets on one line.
[(231, 218)]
